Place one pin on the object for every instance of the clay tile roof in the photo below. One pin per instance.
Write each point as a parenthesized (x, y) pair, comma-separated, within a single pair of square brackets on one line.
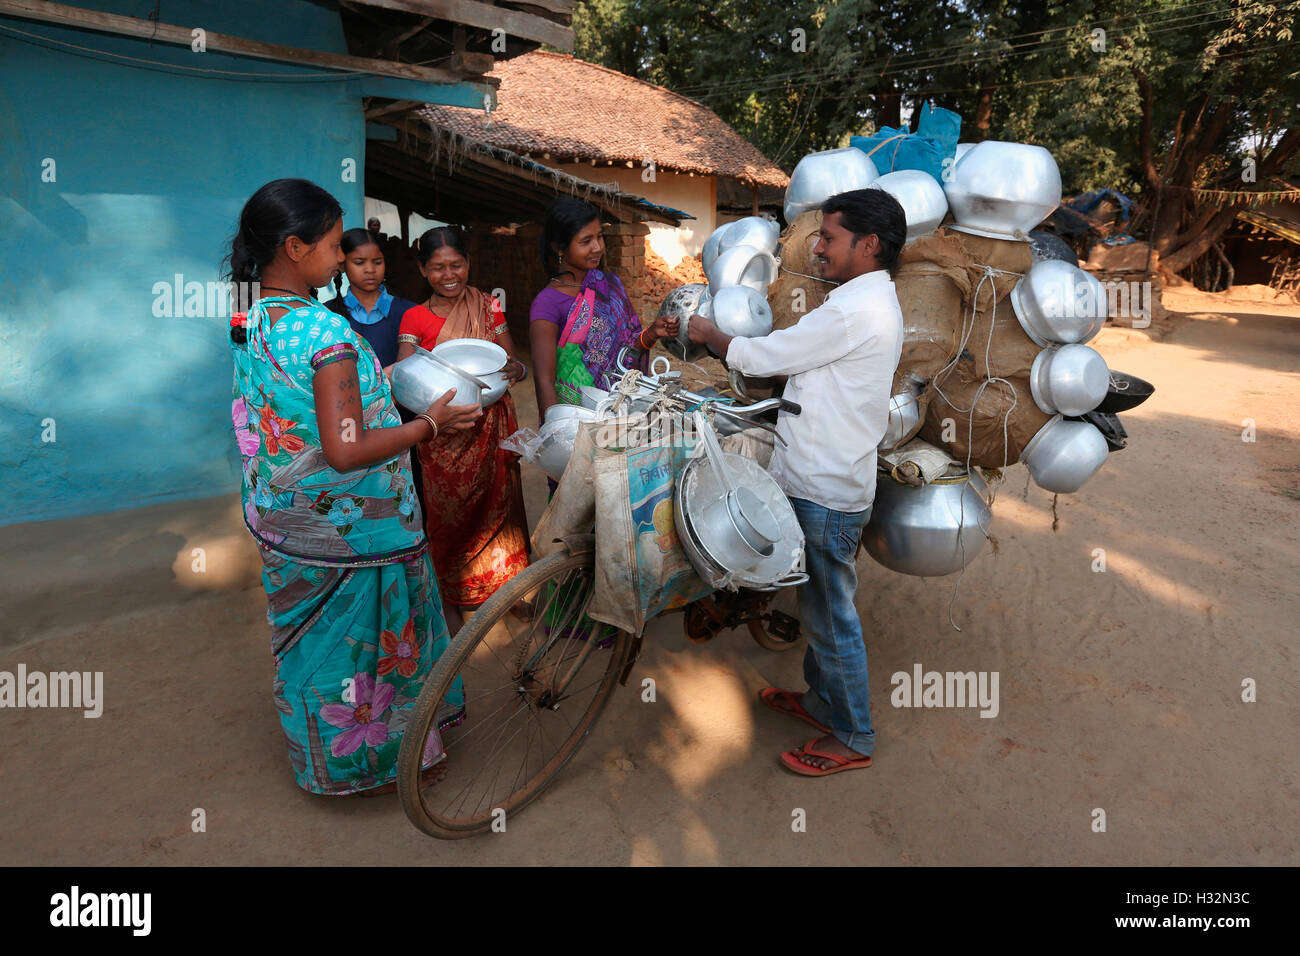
[(553, 103)]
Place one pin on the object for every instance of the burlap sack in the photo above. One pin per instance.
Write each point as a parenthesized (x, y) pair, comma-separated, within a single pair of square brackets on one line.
[(976, 428), (1012, 352), (792, 287)]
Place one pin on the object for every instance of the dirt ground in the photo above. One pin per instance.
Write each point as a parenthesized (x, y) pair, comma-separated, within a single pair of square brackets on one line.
[(1119, 689)]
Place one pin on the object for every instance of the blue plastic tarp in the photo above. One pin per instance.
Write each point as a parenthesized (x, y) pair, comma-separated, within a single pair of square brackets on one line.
[(935, 139)]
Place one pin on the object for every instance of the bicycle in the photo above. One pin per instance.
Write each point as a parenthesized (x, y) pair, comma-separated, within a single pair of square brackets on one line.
[(516, 694)]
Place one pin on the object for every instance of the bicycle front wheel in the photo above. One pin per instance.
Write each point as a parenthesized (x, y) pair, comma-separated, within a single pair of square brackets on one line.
[(515, 695)]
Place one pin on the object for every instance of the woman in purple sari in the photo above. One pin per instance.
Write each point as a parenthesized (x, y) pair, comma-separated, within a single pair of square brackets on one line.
[(580, 321)]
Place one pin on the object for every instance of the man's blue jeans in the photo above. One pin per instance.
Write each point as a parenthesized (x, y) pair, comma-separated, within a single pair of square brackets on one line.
[(835, 664)]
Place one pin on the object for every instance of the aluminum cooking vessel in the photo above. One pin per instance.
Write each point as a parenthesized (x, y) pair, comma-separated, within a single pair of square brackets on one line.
[(742, 265), (905, 418), (927, 530), (1059, 303), (482, 359), (757, 231), (1064, 454), (419, 380), (680, 304), (1071, 380), (741, 311), (819, 176), (922, 198), (712, 245), (1003, 190)]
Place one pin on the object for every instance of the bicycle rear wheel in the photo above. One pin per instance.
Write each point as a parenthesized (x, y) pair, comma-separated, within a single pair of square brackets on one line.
[(516, 697)]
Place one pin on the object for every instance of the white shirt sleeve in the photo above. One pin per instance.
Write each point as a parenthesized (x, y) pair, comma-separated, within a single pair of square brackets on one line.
[(819, 338)]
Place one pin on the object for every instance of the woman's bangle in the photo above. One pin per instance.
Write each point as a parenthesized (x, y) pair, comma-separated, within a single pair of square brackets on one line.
[(524, 377), (641, 341), (432, 423)]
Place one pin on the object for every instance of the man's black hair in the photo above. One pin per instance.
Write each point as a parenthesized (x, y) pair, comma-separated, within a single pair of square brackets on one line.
[(866, 212)]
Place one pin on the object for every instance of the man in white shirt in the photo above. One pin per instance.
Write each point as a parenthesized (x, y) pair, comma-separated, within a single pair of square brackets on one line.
[(840, 359)]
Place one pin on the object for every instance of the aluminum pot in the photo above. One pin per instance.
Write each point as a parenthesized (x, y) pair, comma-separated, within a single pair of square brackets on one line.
[(1064, 454), (1003, 190), (819, 176), (742, 265), (1059, 303), (681, 304), (482, 359), (739, 310), (757, 231), (1071, 379), (927, 530), (562, 411), (740, 530), (557, 438), (924, 204), (419, 381), (962, 150), (905, 418), (713, 244)]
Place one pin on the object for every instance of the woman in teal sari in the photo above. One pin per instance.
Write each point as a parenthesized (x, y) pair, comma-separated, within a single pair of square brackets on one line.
[(353, 602)]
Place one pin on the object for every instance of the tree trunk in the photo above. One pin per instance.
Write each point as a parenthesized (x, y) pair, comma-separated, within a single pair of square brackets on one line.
[(983, 114), (1198, 245)]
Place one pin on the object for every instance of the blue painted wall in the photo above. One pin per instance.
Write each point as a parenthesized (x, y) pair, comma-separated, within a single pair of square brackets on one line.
[(152, 165)]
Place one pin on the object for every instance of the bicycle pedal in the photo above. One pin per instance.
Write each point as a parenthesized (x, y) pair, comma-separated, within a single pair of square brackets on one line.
[(783, 627)]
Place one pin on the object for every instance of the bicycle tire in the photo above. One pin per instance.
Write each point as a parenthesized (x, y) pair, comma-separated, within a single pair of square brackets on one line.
[(475, 631)]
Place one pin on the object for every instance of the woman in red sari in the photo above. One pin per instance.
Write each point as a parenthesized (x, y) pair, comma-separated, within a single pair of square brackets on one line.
[(473, 492)]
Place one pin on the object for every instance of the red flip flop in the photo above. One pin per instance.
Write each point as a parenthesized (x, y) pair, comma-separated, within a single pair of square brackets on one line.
[(774, 697), (790, 760)]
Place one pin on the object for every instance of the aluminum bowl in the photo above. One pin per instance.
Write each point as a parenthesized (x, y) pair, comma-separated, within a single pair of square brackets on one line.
[(819, 176), (962, 150), (924, 204), (1003, 190), (757, 231), (742, 265), (1057, 303), (419, 381), (1071, 380), (1064, 454), (482, 359), (713, 245), (681, 304), (927, 530)]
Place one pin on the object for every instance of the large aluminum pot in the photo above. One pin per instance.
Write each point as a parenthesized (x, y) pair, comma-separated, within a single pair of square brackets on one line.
[(819, 176), (681, 304), (1059, 303), (482, 359), (924, 204), (742, 265), (928, 530), (419, 380), (1064, 454), (1003, 190), (1071, 380), (757, 231)]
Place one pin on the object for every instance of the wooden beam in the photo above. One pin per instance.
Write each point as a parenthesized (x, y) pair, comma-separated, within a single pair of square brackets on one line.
[(397, 107), (65, 15), (515, 23)]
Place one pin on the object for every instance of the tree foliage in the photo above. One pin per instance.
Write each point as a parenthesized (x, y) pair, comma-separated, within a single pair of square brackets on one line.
[(1130, 95)]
